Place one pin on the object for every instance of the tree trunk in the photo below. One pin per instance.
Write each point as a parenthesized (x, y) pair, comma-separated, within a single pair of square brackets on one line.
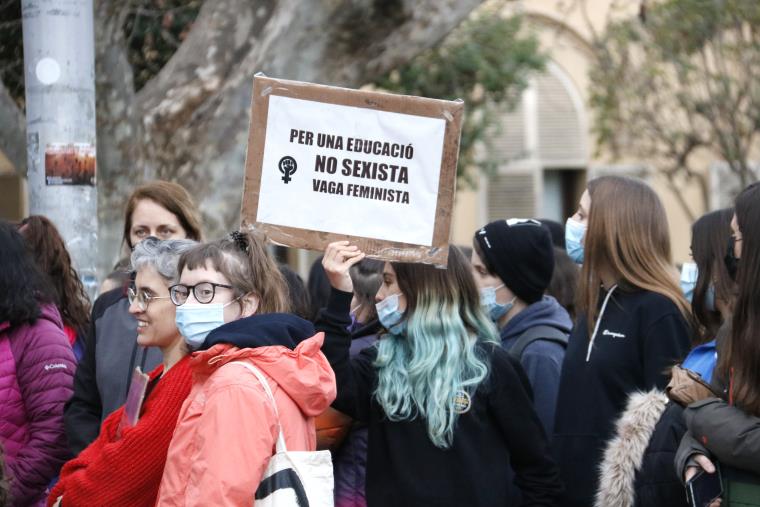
[(189, 124)]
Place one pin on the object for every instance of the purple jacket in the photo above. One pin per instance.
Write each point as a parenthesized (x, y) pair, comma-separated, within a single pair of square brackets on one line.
[(350, 461), (36, 377)]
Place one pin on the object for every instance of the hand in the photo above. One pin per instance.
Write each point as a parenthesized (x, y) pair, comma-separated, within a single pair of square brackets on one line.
[(338, 259), (706, 465), (703, 462)]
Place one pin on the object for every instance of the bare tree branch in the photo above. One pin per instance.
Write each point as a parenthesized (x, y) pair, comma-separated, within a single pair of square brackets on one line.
[(201, 140), (353, 42), (223, 33)]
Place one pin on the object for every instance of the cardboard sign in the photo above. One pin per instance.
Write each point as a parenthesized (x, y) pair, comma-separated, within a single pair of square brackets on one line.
[(377, 169)]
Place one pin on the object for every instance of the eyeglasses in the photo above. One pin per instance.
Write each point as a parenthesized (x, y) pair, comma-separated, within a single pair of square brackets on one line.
[(142, 298), (204, 292)]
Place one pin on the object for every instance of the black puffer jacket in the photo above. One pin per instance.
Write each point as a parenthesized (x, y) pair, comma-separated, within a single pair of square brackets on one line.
[(657, 483)]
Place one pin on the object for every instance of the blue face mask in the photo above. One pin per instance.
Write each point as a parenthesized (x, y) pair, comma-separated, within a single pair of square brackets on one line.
[(488, 302), (195, 322), (390, 316), (688, 281), (574, 233)]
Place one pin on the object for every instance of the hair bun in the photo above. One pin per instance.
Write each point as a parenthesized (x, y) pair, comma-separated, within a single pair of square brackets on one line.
[(240, 239)]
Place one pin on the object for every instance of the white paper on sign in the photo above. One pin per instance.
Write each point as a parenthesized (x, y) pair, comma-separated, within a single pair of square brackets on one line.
[(355, 196)]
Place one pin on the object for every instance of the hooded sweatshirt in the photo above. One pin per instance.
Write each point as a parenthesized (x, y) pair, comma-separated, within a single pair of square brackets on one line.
[(227, 427), (542, 359), (639, 336), (542, 362)]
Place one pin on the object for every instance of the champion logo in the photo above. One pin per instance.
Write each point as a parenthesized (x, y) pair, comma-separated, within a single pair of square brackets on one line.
[(55, 366), (607, 332)]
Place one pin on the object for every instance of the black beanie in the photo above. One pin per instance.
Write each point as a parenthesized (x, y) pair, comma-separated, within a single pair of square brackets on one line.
[(521, 253)]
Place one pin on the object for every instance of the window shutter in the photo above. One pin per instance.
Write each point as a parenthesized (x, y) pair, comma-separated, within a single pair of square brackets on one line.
[(559, 130), (511, 195)]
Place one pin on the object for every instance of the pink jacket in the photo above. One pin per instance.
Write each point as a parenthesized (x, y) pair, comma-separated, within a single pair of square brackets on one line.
[(36, 376), (227, 426)]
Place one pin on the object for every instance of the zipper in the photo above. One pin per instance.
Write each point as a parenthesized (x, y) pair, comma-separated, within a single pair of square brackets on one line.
[(599, 321)]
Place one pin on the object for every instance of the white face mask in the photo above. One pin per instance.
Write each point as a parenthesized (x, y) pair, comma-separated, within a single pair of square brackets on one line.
[(488, 302), (195, 322), (389, 314)]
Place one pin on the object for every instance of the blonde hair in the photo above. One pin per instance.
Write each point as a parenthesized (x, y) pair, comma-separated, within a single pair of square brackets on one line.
[(628, 235)]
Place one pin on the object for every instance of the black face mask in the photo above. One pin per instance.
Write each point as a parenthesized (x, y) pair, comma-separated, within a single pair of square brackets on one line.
[(731, 261)]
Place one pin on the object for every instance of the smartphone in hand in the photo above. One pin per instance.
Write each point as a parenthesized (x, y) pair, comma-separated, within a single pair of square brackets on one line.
[(704, 488)]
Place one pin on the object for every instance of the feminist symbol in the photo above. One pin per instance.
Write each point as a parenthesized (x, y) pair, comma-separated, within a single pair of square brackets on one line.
[(288, 167)]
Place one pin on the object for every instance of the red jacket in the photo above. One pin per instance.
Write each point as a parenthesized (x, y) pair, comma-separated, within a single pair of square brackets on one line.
[(127, 471)]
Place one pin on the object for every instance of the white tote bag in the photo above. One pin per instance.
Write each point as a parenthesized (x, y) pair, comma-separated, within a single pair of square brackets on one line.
[(293, 478)]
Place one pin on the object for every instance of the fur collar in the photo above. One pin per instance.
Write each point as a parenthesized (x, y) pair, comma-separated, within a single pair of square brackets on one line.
[(625, 452)]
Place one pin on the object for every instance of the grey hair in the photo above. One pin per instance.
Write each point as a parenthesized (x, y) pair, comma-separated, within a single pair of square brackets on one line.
[(163, 256)]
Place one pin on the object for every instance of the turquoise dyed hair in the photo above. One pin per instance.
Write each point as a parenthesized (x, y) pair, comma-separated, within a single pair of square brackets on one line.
[(420, 373)]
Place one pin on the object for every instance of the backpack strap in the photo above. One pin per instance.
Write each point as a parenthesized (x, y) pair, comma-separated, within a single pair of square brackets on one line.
[(268, 390), (544, 332)]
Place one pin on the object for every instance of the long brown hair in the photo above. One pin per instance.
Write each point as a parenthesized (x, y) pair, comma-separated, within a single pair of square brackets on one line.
[(739, 356), (245, 261), (173, 198), (49, 251), (628, 235), (709, 237)]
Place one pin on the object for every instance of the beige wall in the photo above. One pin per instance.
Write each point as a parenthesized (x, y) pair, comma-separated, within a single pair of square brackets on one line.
[(13, 197), (565, 35)]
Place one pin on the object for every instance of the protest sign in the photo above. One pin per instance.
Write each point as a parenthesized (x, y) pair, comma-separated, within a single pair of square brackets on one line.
[(327, 163)]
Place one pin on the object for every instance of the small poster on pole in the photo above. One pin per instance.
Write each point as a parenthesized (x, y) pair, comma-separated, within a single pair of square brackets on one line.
[(377, 169), (70, 164)]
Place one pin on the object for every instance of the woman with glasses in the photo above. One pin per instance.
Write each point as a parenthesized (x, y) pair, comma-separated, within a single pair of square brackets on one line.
[(123, 466), (159, 209), (227, 300)]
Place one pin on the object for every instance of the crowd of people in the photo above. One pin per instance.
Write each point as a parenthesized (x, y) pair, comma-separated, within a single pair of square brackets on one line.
[(542, 367)]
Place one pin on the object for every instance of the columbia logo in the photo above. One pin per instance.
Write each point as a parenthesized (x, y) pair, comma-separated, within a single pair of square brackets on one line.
[(55, 366), (614, 335)]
